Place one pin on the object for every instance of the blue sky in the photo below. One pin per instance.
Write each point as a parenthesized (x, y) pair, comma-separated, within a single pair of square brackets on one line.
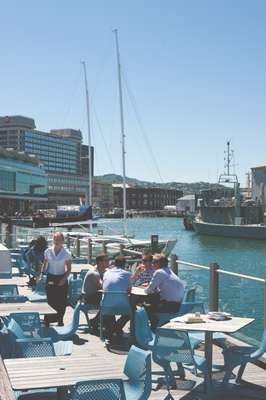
[(195, 69)]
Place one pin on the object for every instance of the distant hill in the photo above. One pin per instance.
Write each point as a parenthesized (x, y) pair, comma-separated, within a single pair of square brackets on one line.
[(187, 188)]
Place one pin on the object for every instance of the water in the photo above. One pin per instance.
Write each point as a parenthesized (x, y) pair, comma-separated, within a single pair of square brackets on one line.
[(237, 296)]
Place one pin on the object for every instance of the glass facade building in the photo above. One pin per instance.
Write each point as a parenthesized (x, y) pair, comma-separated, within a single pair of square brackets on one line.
[(61, 151), (22, 181)]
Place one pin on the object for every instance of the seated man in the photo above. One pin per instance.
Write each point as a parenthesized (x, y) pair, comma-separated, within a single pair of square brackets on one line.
[(91, 285), (144, 271), (169, 288), (116, 279)]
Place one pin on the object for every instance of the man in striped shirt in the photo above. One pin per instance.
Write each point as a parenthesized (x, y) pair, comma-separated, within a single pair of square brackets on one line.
[(144, 272)]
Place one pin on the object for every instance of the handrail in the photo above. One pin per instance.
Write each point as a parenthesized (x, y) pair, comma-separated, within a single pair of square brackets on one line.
[(193, 265)]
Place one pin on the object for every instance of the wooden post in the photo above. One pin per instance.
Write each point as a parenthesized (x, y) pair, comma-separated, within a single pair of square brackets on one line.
[(154, 243), (121, 246), (68, 241), (89, 250), (214, 287), (104, 248), (78, 246), (174, 263), (265, 301)]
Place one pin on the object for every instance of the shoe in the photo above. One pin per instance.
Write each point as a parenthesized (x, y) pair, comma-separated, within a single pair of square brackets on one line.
[(60, 324)]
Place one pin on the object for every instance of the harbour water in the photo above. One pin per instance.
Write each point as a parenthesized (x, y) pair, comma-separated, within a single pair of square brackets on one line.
[(237, 296)]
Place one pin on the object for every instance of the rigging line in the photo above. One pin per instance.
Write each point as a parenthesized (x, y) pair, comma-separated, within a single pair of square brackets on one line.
[(102, 135), (103, 63), (72, 96), (138, 118)]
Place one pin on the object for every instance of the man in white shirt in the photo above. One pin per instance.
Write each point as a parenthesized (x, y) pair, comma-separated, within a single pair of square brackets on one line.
[(116, 279), (168, 286)]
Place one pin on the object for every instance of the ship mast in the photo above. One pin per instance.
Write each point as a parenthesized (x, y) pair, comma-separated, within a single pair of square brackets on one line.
[(89, 187), (122, 133)]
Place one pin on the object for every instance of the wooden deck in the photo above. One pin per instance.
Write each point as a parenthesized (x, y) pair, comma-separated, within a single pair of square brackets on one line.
[(111, 363)]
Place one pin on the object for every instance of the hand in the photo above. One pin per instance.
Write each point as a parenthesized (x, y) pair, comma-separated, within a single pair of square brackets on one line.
[(39, 278), (140, 268), (61, 282), (144, 285)]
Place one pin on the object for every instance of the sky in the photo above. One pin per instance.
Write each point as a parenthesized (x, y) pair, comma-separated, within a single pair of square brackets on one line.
[(193, 77)]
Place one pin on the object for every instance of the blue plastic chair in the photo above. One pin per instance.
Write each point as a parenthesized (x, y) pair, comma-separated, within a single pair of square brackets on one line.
[(137, 387), (143, 333), (9, 290), (82, 274), (108, 389), (190, 295), (64, 332), (174, 346), (13, 299), (29, 322), (238, 355), (39, 294), (138, 370), (74, 291), (34, 347), (114, 303)]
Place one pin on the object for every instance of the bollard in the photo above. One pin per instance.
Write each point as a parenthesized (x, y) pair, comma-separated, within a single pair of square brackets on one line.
[(104, 248), (265, 301), (121, 246), (154, 243), (78, 246), (214, 287), (89, 250), (68, 241), (174, 263)]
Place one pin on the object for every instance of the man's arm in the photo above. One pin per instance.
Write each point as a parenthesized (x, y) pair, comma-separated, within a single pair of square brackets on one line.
[(154, 283)]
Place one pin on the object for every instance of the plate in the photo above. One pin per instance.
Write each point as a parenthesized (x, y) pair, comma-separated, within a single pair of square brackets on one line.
[(219, 313)]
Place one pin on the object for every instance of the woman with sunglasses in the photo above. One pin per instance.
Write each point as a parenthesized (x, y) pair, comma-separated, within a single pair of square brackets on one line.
[(144, 272)]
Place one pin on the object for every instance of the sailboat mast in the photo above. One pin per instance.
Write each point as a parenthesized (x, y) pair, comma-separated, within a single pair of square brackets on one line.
[(122, 132), (89, 187)]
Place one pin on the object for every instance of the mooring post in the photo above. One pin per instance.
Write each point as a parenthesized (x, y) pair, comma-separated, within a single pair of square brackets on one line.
[(89, 250), (68, 241), (174, 263), (265, 301), (121, 246), (78, 246), (214, 287)]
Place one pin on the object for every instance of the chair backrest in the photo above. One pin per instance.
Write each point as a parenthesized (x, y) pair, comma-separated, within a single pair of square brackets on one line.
[(261, 349), (190, 295), (13, 299), (108, 389), (74, 290), (8, 290), (172, 345), (143, 332), (74, 323), (138, 369), (115, 303), (15, 329), (191, 307), (28, 321), (34, 348), (82, 274)]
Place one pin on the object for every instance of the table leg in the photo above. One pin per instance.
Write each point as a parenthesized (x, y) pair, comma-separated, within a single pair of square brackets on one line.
[(208, 352)]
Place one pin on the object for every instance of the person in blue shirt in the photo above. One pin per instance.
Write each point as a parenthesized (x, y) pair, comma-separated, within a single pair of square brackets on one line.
[(168, 288), (116, 279)]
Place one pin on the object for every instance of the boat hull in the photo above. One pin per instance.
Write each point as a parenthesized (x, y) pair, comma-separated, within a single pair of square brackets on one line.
[(233, 231)]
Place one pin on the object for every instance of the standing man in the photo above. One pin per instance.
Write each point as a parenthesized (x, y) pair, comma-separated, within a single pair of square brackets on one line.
[(116, 279), (92, 283), (169, 287)]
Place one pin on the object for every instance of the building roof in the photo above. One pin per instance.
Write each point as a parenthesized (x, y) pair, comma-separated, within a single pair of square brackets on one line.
[(18, 155), (17, 121)]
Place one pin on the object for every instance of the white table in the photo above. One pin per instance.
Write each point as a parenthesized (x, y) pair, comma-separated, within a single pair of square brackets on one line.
[(59, 371), (209, 327), (41, 308)]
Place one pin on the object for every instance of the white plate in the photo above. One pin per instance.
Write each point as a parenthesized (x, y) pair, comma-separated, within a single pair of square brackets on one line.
[(218, 313)]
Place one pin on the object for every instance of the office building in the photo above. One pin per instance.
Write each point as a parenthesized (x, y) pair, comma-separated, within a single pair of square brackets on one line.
[(61, 152), (23, 182)]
